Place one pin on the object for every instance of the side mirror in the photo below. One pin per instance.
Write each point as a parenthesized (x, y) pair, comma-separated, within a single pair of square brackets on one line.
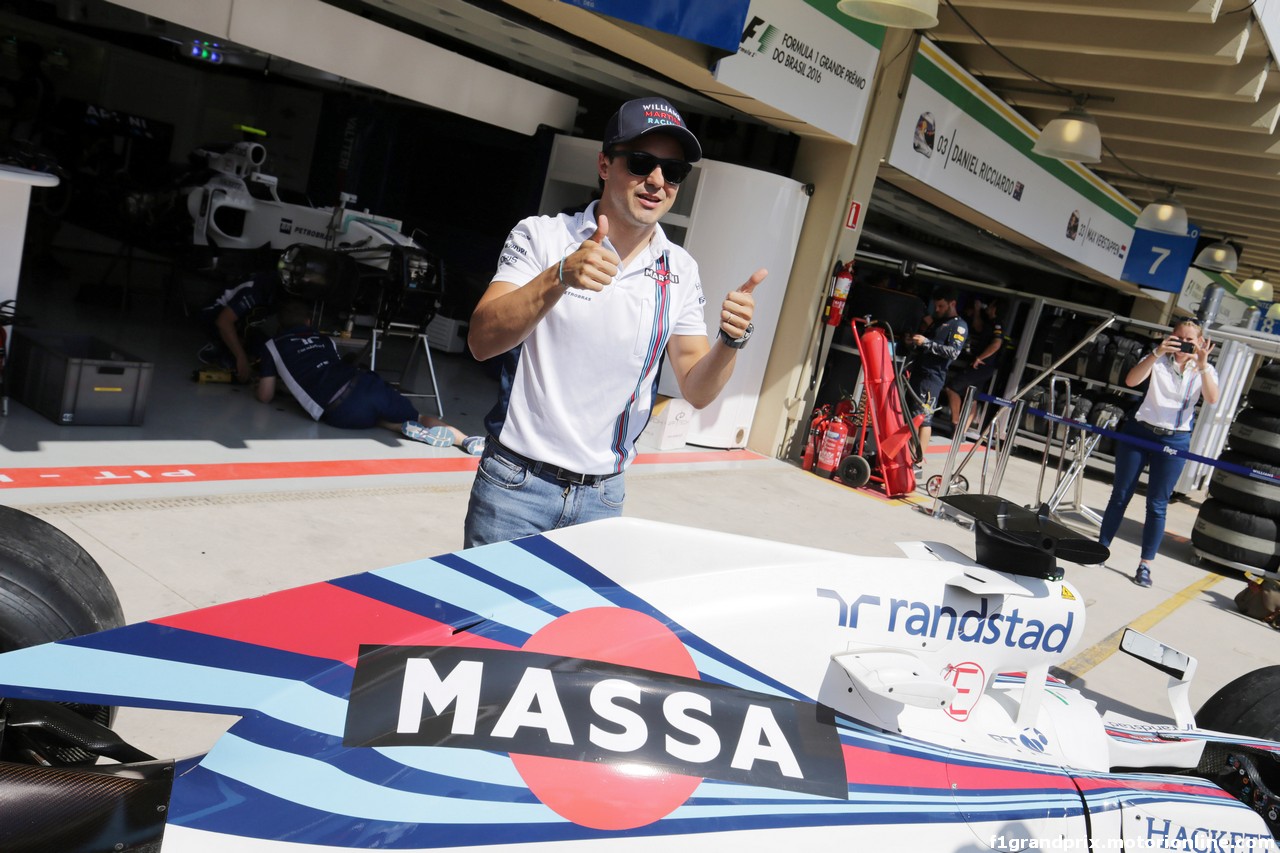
[(1179, 666), (1155, 653)]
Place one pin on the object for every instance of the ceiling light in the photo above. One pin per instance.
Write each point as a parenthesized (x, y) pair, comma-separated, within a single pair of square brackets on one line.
[(1166, 215), (909, 14), (1073, 135), (1256, 288), (1220, 256)]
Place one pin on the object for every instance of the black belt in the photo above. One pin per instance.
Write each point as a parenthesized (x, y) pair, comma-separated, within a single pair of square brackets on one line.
[(1160, 430), (341, 397), (546, 470)]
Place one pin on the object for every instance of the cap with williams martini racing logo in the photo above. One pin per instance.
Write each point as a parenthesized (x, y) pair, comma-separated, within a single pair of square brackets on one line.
[(643, 116)]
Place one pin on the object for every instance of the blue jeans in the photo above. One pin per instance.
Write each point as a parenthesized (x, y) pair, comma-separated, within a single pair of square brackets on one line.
[(509, 501), (1163, 474)]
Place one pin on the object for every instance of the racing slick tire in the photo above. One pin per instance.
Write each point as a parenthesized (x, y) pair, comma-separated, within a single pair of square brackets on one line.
[(1245, 706), (1256, 434), (50, 589), (1264, 391), (1253, 496), (1237, 536)]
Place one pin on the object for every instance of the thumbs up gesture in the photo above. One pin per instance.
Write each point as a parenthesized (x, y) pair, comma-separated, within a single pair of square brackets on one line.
[(739, 306), (591, 266)]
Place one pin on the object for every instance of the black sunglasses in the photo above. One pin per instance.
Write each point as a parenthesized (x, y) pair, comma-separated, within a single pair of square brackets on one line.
[(642, 163)]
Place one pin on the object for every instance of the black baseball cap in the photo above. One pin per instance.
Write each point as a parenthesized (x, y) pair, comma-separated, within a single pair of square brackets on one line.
[(643, 116)]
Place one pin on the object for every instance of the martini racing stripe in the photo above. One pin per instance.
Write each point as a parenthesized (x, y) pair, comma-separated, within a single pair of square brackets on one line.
[(464, 586), (713, 664), (449, 614), (463, 775), (515, 564), (323, 619), (1019, 679), (361, 764), (298, 784), (151, 640), (1167, 735), (659, 332), (154, 683), (1158, 787)]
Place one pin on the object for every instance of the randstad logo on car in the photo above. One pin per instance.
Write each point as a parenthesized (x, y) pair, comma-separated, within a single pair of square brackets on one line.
[(941, 621)]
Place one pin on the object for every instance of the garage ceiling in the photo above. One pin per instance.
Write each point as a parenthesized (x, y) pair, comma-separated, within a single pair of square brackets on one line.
[(1182, 89), (1183, 92)]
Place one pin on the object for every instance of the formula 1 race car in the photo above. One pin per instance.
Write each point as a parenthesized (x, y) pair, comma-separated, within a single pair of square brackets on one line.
[(359, 262), (233, 204), (585, 686)]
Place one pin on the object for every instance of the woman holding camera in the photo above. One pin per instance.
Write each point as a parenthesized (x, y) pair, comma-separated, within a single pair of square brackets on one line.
[(1179, 374)]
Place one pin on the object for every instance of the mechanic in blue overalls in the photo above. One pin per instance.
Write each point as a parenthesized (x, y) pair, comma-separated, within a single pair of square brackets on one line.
[(334, 391), (934, 353), (248, 302)]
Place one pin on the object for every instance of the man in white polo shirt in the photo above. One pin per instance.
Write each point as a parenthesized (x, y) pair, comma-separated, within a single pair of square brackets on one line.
[(586, 308)]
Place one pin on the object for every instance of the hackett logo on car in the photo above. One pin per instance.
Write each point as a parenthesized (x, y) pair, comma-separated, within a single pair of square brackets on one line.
[(588, 711)]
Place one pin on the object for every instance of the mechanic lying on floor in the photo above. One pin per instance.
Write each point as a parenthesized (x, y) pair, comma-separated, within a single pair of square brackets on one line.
[(222, 321), (340, 394)]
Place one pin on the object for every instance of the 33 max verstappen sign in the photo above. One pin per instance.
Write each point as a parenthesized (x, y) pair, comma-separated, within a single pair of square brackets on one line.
[(588, 711)]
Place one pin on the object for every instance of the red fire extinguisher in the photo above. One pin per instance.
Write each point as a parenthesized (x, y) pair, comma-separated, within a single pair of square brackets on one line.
[(840, 294), (817, 425), (831, 448)]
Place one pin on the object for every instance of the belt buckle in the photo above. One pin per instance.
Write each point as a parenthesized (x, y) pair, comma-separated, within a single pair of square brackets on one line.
[(572, 477)]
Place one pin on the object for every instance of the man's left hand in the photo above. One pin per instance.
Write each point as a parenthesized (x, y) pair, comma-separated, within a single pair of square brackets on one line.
[(739, 306)]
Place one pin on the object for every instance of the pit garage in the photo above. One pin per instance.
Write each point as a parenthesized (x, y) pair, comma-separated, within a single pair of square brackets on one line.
[(187, 163)]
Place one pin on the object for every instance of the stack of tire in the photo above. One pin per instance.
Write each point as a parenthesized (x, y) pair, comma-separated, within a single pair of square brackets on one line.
[(1239, 524)]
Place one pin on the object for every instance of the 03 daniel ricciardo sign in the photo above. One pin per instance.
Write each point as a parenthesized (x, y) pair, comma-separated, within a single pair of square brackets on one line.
[(957, 137)]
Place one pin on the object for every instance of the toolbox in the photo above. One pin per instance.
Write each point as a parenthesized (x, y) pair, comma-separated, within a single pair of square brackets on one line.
[(77, 379)]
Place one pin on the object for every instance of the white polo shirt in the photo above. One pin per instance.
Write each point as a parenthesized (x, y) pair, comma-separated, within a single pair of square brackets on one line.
[(1170, 401), (579, 390)]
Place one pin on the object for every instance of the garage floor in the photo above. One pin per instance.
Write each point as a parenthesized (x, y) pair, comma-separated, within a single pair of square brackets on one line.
[(188, 423)]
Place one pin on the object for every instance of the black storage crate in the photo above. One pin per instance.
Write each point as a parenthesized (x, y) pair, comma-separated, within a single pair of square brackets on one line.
[(77, 379)]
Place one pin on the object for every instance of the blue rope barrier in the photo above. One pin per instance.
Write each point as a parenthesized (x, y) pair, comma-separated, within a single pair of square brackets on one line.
[(1241, 470)]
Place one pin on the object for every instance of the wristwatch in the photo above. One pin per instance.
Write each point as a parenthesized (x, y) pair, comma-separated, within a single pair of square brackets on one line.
[(738, 343)]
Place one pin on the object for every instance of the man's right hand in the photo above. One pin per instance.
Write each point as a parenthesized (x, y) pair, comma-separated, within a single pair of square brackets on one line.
[(591, 266)]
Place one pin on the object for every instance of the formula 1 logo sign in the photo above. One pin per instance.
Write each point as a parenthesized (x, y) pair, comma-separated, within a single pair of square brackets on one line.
[(604, 743)]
